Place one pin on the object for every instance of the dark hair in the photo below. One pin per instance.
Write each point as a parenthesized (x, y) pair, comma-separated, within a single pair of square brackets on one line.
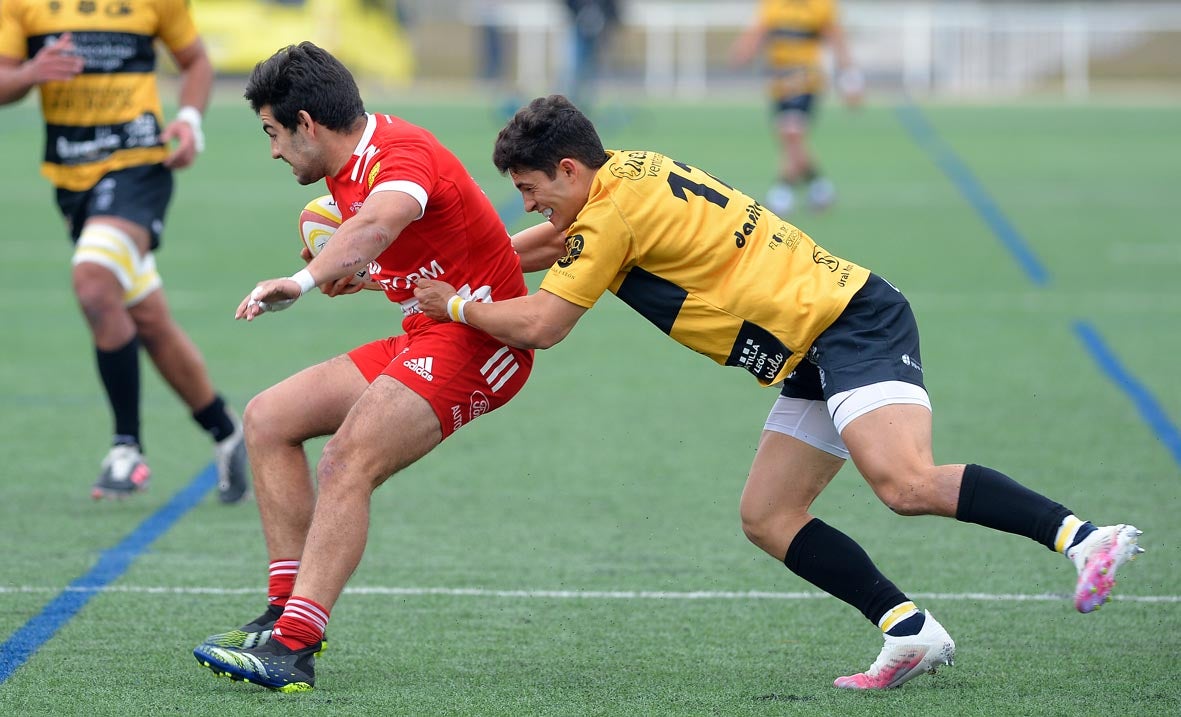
[(305, 77), (543, 133)]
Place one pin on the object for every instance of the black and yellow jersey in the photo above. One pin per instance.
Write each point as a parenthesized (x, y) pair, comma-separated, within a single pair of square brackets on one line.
[(794, 42), (108, 117), (704, 262)]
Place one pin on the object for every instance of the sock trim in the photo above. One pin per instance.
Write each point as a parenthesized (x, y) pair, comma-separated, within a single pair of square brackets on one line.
[(1066, 532), (897, 614)]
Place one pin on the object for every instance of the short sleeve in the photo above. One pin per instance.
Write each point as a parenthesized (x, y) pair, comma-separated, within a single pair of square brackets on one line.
[(13, 42), (409, 165), (598, 246), (177, 29)]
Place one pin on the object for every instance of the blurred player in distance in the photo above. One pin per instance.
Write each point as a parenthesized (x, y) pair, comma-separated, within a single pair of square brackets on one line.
[(747, 289), (792, 35), (409, 209), (107, 152)]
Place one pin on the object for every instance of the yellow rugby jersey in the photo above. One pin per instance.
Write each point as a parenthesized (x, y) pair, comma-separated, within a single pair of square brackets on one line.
[(704, 262), (108, 117), (794, 43)]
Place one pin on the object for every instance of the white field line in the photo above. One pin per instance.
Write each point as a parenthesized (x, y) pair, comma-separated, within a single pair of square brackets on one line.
[(574, 594)]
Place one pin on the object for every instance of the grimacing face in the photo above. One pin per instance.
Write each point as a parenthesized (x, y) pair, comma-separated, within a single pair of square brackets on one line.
[(293, 147), (559, 199)]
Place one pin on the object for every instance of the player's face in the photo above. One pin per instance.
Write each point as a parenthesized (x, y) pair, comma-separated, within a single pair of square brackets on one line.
[(558, 199), (294, 148)]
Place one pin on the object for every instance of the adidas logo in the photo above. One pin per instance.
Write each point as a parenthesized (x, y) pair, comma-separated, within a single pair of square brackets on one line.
[(500, 368), (421, 366)]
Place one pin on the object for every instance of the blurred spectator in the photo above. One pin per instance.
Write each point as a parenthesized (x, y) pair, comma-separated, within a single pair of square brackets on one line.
[(791, 33), (494, 68), (592, 23)]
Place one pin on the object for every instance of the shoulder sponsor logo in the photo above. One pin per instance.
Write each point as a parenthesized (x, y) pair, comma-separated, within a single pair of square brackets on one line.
[(786, 236), (421, 366), (362, 164), (825, 259), (754, 210), (573, 251), (373, 175), (628, 165)]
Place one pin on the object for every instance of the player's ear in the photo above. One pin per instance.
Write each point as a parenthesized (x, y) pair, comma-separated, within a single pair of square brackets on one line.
[(303, 119)]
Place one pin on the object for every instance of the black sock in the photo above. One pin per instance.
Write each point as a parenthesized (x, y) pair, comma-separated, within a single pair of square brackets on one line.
[(215, 419), (912, 625), (119, 371), (996, 501), (830, 560)]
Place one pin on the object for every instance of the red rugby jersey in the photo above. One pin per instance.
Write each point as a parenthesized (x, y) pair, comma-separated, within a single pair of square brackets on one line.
[(459, 238)]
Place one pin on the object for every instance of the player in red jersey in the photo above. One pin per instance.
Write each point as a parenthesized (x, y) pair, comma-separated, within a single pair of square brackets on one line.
[(410, 210)]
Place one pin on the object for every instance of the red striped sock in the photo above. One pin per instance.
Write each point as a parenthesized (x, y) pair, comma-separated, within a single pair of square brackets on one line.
[(281, 581), (301, 624)]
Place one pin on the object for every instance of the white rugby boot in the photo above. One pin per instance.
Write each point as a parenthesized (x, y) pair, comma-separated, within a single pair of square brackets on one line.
[(902, 658), (1097, 558)]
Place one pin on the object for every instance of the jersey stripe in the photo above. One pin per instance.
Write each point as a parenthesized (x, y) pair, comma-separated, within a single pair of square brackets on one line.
[(108, 52), (656, 299)]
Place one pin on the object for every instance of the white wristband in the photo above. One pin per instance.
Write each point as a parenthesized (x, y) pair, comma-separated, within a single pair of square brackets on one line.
[(455, 308), (850, 81), (192, 117), (303, 277)]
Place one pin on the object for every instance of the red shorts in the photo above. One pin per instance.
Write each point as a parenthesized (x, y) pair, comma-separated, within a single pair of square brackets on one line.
[(462, 372)]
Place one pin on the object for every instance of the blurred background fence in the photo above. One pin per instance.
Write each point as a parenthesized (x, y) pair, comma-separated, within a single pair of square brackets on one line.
[(679, 49)]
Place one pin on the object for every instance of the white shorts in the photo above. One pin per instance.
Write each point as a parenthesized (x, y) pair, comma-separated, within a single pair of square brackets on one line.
[(819, 423)]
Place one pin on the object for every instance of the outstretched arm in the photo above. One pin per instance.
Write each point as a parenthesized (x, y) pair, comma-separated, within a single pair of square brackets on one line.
[(537, 321), (539, 246), (360, 239)]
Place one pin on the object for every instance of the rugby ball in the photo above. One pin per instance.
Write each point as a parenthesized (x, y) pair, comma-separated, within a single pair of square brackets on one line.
[(318, 221)]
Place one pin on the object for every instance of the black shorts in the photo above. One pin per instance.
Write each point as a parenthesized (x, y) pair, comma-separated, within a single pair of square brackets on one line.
[(804, 104), (875, 339), (137, 194)]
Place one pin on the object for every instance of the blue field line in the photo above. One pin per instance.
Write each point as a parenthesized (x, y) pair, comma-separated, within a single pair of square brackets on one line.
[(29, 638), (945, 158), (1150, 409), (111, 565)]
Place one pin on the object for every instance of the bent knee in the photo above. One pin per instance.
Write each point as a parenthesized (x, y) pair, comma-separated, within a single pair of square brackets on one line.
[(905, 495), (262, 419), (771, 531)]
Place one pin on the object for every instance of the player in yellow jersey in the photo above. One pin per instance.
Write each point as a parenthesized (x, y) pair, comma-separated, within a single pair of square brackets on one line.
[(793, 35), (720, 274), (107, 152)]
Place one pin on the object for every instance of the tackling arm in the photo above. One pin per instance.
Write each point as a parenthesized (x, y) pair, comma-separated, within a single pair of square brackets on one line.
[(539, 246), (537, 321)]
